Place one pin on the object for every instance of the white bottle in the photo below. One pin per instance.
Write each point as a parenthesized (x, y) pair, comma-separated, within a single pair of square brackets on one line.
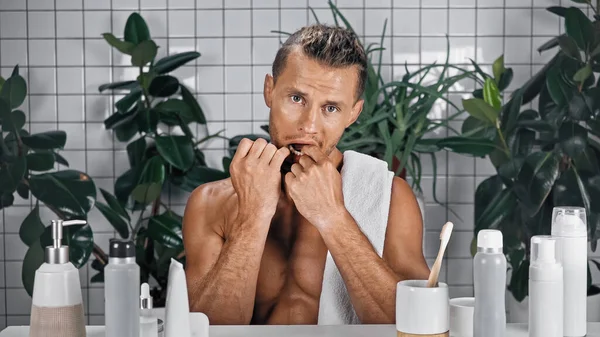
[(56, 303), (569, 226), (545, 289), (148, 322), (122, 291), (489, 285)]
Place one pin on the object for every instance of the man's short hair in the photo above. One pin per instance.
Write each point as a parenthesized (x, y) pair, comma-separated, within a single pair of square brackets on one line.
[(331, 46)]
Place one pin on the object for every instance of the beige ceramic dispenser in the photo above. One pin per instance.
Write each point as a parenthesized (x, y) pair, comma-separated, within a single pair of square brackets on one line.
[(57, 306)]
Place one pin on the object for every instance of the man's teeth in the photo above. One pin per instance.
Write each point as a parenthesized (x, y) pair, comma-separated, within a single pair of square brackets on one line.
[(298, 153)]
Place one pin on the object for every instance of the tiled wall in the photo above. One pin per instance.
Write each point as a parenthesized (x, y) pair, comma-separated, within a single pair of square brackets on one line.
[(58, 45)]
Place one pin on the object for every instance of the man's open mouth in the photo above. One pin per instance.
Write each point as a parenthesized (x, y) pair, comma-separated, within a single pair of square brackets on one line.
[(296, 149)]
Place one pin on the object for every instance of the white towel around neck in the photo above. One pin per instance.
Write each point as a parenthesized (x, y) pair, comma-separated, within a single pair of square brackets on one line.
[(367, 187)]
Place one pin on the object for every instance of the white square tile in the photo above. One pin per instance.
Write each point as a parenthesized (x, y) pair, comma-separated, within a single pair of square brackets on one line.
[(125, 4), (121, 162), (215, 143), (13, 5), (97, 53), (374, 21), (462, 22), (264, 50), (487, 3), (212, 105), (543, 57), (292, 20), (237, 128), (440, 161), (489, 49), (435, 217), (406, 49), (237, 51), (440, 188), (460, 291), (318, 3), (385, 54), (433, 49), (3, 309), (460, 245), (407, 22), (69, 4), (13, 274), (12, 24), (490, 22), (350, 3), (97, 108), (180, 45), (237, 23), (119, 19), (69, 24), (157, 23), (209, 3), (439, 16), (522, 74), (264, 21), (95, 77), (69, 52), (17, 319), (265, 3), (380, 4), (518, 21), (238, 79), (70, 80), (237, 107), (210, 79), (211, 50), (434, 3), (293, 3), (13, 52), (70, 109), (186, 76), (181, 23), (13, 217), (460, 165), (100, 163), (76, 161), (356, 18), (209, 23), (96, 300), (42, 80), (98, 138), (96, 24), (258, 78), (462, 3), (41, 53), (237, 3), (406, 3), (97, 320), (180, 4), (464, 221), (15, 248), (462, 49), (326, 17), (461, 189), (154, 4), (260, 111), (35, 4), (484, 167), (42, 108), (96, 4), (431, 244), (75, 136), (544, 23), (518, 3), (517, 50)]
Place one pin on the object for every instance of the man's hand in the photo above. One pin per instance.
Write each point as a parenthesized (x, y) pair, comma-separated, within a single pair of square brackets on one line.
[(315, 186), (256, 177)]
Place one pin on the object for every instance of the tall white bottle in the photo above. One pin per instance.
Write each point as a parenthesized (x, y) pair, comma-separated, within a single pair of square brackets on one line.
[(122, 291), (569, 226), (545, 289), (489, 276)]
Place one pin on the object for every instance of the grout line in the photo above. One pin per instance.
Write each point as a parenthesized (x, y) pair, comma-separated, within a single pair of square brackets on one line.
[(85, 139), (4, 210)]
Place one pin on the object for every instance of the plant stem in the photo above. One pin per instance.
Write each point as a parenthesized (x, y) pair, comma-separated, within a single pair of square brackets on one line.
[(99, 254), (506, 150)]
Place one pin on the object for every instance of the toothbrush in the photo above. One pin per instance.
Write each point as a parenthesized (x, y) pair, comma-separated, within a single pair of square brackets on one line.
[(444, 238)]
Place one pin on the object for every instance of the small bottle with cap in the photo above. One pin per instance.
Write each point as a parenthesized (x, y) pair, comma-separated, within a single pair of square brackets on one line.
[(545, 289), (148, 322), (121, 291), (489, 285)]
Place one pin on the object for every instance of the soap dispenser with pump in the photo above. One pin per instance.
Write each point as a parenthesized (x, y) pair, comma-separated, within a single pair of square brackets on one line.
[(57, 305)]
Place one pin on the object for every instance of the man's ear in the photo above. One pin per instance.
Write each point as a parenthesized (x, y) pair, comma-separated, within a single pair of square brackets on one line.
[(356, 110), (268, 89)]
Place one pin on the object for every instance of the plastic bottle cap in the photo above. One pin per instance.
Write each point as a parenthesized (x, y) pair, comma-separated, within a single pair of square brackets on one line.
[(543, 249), (121, 248), (489, 238), (569, 221)]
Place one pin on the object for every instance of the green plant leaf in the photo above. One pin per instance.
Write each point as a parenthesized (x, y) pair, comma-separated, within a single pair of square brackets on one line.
[(569, 47), (32, 227), (505, 79), (114, 204), (71, 192), (122, 46), (491, 95), (144, 53), (581, 1), (172, 107), (11, 174), (485, 192), (498, 67), (559, 90), (579, 27), (194, 107), (118, 223), (584, 105), (150, 182), (582, 74), (7, 199), (125, 85), (479, 109), (125, 103), (14, 91), (172, 62), (478, 69), (518, 284), (199, 175), (125, 183), (166, 230), (510, 112), (521, 142), (226, 163), (478, 147), (40, 161), (499, 208), (535, 180), (176, 150), (573, 138), (473, 127), (118, 119), (79, 238), (147, 120), (534, 85), (23, 191), (509, 170), (136, 31), (11, 121), (126, 131), (163, 86), (136, 151), (34, 258), (550, 44), (46, 140), (558, 10)]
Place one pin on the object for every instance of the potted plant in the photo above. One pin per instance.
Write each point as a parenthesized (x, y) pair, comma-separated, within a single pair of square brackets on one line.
[(546, 156)]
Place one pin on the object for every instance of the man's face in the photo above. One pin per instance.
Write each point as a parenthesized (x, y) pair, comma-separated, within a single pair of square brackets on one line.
[(311, 104)]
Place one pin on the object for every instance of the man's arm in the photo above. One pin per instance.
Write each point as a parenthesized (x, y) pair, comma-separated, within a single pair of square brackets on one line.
[(371, 280), (221, 271)]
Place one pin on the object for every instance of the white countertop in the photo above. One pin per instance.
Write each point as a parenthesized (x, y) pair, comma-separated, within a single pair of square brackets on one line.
[(513, 330)]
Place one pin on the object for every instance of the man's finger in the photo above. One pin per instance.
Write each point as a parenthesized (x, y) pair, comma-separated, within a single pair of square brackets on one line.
[(306, 161), (314, 152), (257, 148), (268, 152), (242, 149), (279, 157), (296, 170)]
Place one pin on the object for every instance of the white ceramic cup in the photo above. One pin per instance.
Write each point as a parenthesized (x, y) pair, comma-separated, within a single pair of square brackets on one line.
[(461, 316), (421, 310)]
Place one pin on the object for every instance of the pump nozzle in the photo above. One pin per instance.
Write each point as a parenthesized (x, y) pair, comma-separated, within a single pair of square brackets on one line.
[(58, 254), (145, 298)]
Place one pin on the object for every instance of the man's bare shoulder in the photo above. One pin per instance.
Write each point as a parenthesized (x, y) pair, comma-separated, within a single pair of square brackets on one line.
[(210, 203)]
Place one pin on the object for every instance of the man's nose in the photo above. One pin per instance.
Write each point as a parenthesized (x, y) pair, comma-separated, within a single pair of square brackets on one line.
[(310, 119)]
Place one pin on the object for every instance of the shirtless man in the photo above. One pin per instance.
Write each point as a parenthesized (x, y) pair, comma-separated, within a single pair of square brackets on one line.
[(256, 243)]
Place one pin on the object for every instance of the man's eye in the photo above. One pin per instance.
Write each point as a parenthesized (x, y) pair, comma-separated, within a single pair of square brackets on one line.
[(296, 99), (331, 108)]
